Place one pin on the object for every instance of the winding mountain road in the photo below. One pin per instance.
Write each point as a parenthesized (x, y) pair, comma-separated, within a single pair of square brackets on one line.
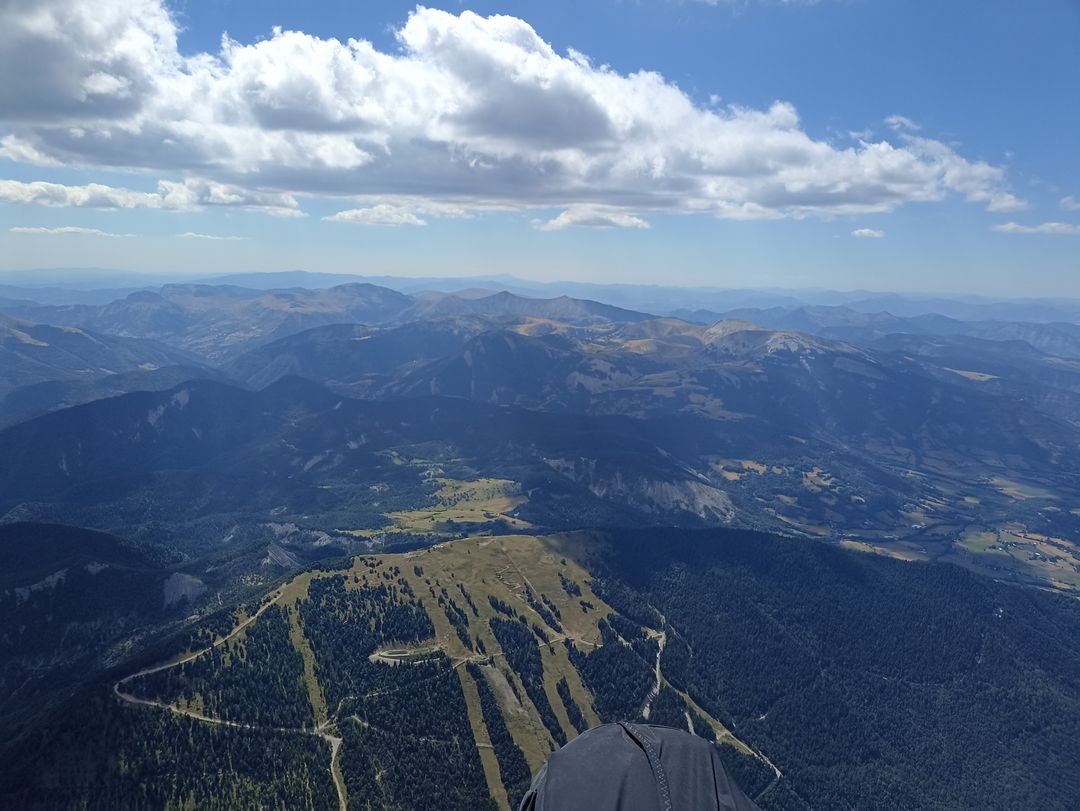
[(320, 731)]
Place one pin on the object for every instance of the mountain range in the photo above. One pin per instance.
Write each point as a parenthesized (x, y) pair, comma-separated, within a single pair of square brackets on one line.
[(402, 544)]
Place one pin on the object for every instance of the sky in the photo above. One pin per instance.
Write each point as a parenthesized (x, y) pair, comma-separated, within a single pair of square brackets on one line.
[(902, 145)]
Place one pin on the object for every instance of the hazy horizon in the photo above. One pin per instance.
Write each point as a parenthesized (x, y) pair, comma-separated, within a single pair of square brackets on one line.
[(110, 277), (846, 145)]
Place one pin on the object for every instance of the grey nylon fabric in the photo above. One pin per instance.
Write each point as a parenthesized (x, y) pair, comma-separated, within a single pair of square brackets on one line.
[(635, 767)]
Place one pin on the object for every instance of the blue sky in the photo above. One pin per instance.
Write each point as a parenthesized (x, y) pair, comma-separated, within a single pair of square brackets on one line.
[(847, 144)]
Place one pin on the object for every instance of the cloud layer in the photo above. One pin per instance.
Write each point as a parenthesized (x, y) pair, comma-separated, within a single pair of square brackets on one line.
[(76, 230), (214, 237), (470, 113), (1057, 228), (189, 195)]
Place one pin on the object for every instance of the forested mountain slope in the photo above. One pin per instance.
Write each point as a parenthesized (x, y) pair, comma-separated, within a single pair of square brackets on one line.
[(829, 679), (72, 602), (36, 353)]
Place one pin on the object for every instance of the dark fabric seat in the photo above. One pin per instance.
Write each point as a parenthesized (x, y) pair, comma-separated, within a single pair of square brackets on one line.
[(635, 767)]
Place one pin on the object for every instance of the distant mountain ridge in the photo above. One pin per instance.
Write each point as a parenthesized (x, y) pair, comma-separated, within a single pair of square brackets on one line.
[(847, 324), (44, 367), (219, 321), (651, 421), (819, 420), (32, 353)]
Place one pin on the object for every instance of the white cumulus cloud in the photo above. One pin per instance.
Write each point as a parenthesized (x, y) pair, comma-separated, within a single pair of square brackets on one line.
[(92, 195), (381, 214), (188, 195), (591, 217), (1070, 203), (868, 233), (467, 112)]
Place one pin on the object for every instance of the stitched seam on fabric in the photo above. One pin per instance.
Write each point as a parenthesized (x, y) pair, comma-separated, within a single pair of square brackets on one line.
[(644, 740), (658, 771)]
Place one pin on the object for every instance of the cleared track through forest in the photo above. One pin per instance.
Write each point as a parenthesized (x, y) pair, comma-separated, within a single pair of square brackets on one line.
[(320, 731)]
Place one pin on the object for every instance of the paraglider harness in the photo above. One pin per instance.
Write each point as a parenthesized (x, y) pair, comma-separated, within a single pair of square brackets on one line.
[(602, 770)]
